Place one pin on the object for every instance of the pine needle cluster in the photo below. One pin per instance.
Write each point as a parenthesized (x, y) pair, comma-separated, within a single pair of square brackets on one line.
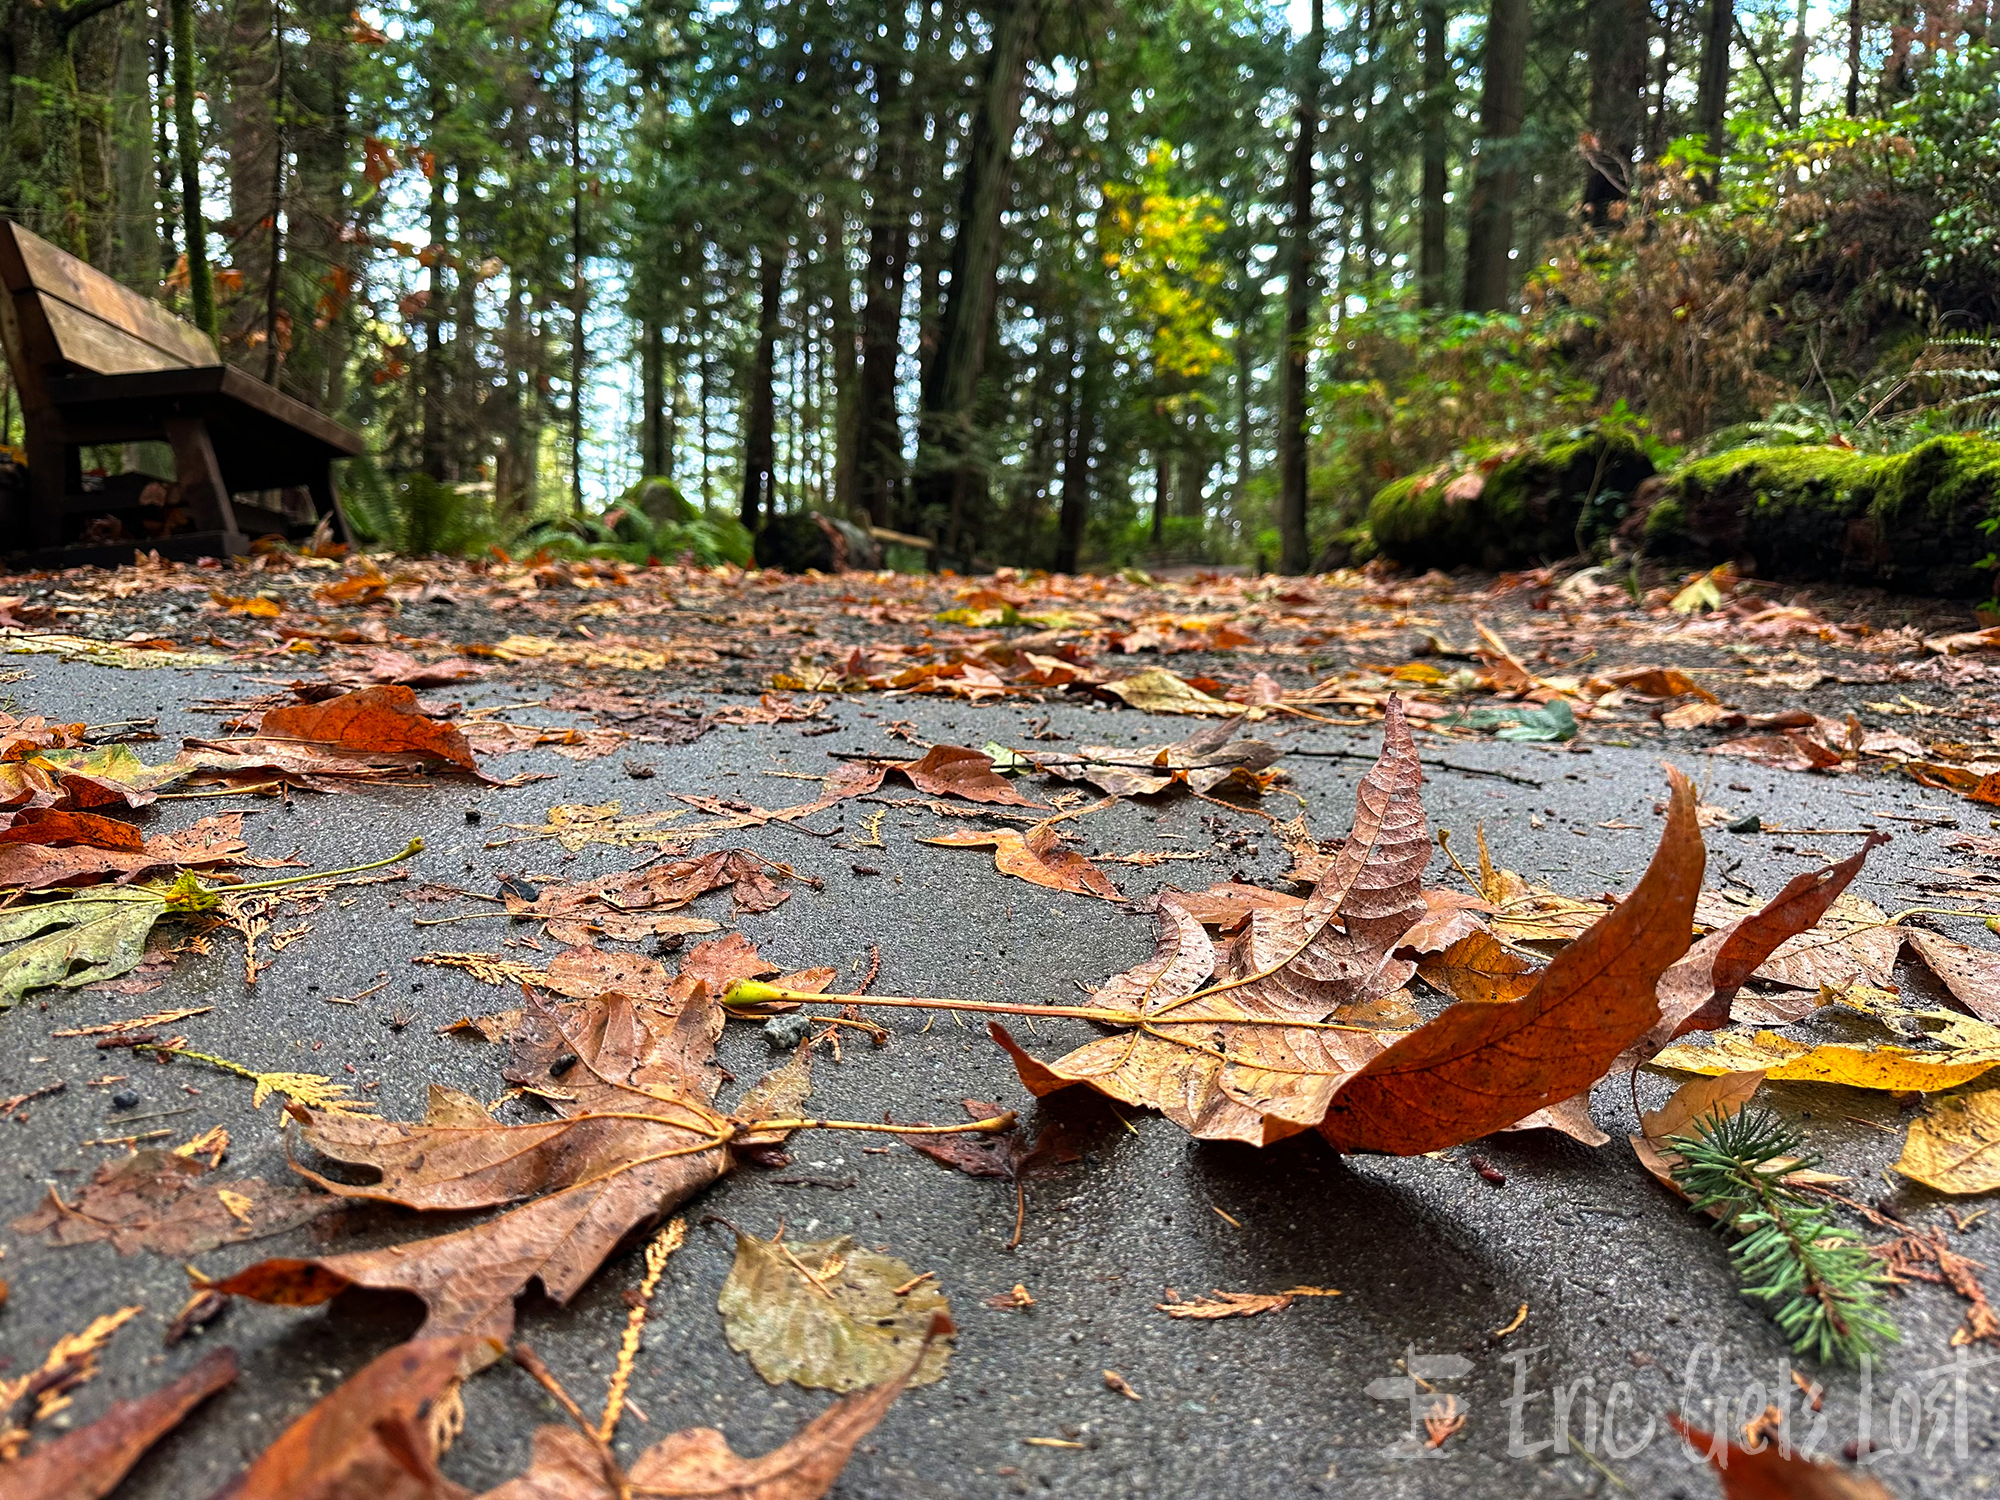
[(1824, 1290)]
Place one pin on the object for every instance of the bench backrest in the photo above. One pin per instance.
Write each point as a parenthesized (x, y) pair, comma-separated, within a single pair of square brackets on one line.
[(61, 316)]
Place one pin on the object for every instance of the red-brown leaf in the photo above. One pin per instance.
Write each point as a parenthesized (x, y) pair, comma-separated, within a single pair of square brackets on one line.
[(89, 1463), (379, 720)]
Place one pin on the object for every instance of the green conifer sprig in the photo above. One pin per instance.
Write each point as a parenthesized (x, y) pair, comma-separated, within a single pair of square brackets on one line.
[(1822, 1286)]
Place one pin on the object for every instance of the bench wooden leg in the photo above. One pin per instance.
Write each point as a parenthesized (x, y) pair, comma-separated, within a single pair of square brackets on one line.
[(200, 475), (48, 499), (326, 499)]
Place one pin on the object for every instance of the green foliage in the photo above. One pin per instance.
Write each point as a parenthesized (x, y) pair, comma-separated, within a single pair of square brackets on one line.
[(1822, 1286), (1551, 497), (1409, 389), (628, 535), (419, 515)]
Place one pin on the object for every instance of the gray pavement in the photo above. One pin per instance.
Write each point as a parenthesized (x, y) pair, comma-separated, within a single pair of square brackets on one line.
[(1632, 1308)]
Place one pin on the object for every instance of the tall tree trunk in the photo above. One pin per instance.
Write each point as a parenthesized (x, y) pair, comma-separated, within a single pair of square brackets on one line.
[(1658, 131), (187, 141), (1853, 59), (1711, 96), (250, 138), (1076, 457), (319, 248), (434, 444), (1162, 493), (947, 474), (652, 392), (1244, 374), (1489, 236), (842, 367), (579, 283), (1437, 110), (760, 409), (97, 45), (136, 233), (878, 431), (1795, 64), (1301, 279), (1618, 37)]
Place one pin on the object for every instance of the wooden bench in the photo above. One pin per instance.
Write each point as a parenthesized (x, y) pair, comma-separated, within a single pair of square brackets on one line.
[(96, 363)]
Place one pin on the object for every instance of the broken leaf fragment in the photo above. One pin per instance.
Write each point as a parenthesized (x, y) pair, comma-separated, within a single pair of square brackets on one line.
[(826, 1314), (1772, 1471), (1956, 1147), (370, 1437), (1889, 1068), (90, 1462), (170, 1204), (697, 1463), (1237, 1304)]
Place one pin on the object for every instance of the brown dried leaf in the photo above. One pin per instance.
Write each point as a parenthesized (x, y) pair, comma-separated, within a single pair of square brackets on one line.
[(697, 1463), (90, 1462), (370, 1439), (955, 771), (1039, 858), (1479, 969), (171, 1205), (1773, 1472), (1971, 974), (598, 1177), (1202, 762), (1479, 1068), (37, 865), (380, 720), (1696, 992)]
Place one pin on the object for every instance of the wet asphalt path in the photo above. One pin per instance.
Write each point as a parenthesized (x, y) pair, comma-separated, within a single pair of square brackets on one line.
[(1631, 1307)]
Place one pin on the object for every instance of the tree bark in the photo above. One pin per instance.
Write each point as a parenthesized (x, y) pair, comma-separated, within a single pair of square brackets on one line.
[(248, 121), (1618, 36), (760, 410), (1301, 280), (1853, 59), (652, 393), (1795, 64), (1489, 239), (878, 431), (187, 141), (947, 472), (1711, 98), (433, 445), (1084, 382), (136, 234), (1437, 108)]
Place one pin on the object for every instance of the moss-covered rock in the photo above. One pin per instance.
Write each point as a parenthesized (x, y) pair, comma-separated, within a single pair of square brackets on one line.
[(1907, 521), (1534, 504)]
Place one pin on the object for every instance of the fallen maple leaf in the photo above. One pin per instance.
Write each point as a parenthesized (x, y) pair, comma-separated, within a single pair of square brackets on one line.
[(1721, 1097), (90, 1462), (1773, 1472), (1852, 942), (380, 720), (370, 1439), (1479, 1068), (1038, 857), (635, 904), (635, 1134)]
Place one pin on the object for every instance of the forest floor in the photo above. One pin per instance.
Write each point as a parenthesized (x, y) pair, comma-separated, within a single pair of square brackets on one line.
[(1538, 1283)]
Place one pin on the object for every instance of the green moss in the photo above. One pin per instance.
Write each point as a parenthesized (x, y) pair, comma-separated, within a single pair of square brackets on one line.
[(1536, 504), (1908, 521)]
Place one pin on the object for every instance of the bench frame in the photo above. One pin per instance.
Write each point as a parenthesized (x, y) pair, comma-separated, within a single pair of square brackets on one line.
[(97, 363)]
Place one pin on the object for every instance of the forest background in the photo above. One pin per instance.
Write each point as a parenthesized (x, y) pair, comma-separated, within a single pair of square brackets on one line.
[(1058, 285)]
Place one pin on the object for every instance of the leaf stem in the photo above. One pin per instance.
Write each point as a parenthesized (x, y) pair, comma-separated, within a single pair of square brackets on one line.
[(414, 847), (747, 994)]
